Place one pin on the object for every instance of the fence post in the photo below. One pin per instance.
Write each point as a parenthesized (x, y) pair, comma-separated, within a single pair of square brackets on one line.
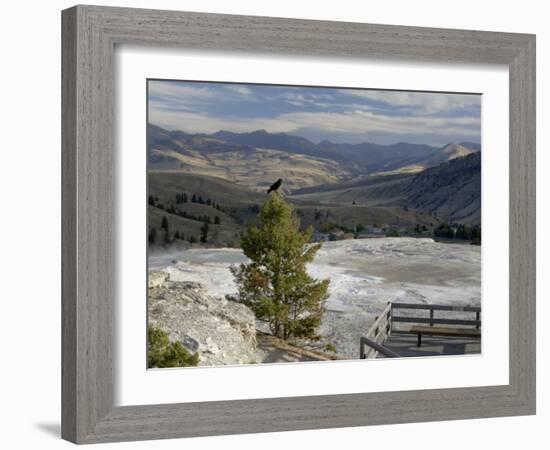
[(389, 318), (362, 349), (431, 317), (477, 318)]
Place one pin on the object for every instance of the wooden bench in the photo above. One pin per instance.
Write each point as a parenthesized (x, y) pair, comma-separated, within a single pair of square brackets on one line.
[(444, 331)]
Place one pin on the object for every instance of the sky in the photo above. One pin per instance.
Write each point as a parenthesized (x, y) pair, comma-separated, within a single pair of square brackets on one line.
[(316, 113)]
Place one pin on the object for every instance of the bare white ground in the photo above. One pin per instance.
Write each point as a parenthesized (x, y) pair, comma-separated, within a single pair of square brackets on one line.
[(364, 275)]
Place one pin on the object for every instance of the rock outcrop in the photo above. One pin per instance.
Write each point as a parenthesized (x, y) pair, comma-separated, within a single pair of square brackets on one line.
[(222, 331)]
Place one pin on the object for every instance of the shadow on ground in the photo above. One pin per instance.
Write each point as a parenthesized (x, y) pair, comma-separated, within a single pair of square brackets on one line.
[(406, 345), (53, 429)]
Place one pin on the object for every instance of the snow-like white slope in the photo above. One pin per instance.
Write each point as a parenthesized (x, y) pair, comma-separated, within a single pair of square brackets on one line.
[(364, 275)]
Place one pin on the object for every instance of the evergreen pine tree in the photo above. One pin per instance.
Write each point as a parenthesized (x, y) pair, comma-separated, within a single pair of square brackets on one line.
[(204, 232), (164, 223), (275, 284)]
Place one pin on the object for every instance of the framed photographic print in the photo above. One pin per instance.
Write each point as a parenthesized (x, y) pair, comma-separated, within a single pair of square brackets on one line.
[(270, 247), (309, 232)]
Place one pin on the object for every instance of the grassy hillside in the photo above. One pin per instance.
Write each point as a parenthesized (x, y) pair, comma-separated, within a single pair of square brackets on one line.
[(372, 190), (260, 167), (254, 167), (351, 217), (450, 191), (166, 184), (236, 207), (222, 235)]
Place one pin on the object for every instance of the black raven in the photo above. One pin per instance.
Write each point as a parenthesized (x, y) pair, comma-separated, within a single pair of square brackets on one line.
[(275, 185)]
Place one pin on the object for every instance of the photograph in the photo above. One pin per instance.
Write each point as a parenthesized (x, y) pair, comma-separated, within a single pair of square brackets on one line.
[(290, 224)]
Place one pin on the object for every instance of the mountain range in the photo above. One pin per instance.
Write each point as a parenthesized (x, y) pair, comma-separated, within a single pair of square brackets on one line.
[(222, 153), (443, 181)]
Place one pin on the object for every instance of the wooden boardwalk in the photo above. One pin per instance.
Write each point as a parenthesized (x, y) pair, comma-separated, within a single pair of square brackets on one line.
[(405, 345), (392, 333)]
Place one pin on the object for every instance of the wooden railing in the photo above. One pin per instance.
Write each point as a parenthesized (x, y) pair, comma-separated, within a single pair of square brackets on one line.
[(372, 344), (431, 320), (374, 349), (377, 334)]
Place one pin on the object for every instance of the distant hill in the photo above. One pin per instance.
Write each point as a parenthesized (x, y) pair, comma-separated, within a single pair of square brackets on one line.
[(263, 139), (354, 158), (451, 190), (473, 145), (447, 153), (255, 167), (365, 157), (223, 154)]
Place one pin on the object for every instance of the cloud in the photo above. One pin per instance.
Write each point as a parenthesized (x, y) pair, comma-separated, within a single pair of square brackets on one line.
[(423, 102), (178, 91), (192, 122), (354, 123), (241, 90), (341, 115)]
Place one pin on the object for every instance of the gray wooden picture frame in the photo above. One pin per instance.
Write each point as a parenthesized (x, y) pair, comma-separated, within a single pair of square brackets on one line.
[(90, 34)]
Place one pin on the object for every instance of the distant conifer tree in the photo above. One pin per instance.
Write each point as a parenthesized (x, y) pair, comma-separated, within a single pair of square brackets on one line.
[(204, 233), (164, 223)]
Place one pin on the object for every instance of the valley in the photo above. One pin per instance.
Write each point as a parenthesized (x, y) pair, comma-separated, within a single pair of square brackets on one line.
[(401, 189)]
